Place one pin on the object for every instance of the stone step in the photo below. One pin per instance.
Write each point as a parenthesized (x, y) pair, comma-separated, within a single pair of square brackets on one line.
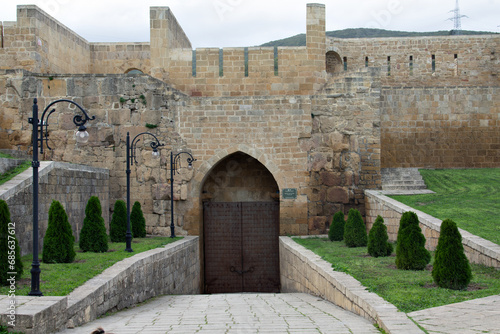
[(391, 187), (402, 179)]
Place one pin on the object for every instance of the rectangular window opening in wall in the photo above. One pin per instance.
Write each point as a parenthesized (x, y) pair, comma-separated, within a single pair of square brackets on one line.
[(193, 66), (411, 65), (455, 57), (246, 62), (366, 61), (345, 63), (221, 62), (388, 65), (433, 63), (276, 67), (1, 36)]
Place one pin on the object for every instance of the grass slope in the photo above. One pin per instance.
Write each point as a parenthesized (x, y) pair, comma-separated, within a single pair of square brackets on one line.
[(14, 171), (470, 197), (406, 289), (62, 278)]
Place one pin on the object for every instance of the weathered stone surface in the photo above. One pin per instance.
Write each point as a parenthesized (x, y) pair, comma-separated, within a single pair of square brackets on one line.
[(331, 178), (338, 195), (161, 191), (317, 225)]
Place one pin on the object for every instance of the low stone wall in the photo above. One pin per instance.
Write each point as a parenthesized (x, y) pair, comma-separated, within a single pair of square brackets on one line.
[(173, 269), (303, 271), (477, 250), (70, 184), (7, 164)]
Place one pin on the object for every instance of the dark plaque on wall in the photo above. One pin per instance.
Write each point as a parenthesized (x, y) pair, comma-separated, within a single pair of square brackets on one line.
[(289, 193)]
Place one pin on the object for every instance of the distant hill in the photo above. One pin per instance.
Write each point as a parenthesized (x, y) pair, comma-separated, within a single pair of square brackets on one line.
[(300, 40)]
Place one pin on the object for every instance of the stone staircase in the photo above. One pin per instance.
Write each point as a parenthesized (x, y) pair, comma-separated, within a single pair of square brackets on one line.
[(403, 180)]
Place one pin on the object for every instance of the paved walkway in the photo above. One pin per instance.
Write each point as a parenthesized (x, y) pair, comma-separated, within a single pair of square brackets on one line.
[(472, 317), (232, 313), (282, 313)]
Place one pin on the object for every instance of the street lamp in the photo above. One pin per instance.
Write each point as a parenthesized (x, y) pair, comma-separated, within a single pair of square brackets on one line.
[(174, 165), (130, 161), (82, 136)]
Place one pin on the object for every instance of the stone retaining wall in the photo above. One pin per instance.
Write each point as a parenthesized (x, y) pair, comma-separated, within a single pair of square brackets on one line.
[(7, 164), (303, 271), (477, 250), (173, 269), (70, 184)]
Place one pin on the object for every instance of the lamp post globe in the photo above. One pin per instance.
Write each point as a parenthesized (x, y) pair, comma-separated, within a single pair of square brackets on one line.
[(82, 136)]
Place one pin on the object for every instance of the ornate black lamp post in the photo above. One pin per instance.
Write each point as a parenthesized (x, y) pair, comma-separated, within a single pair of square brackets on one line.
[(82, 136), (130, 161), (174, 165)]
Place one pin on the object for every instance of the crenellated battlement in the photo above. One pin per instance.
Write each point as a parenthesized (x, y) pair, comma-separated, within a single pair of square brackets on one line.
[(39, 43)]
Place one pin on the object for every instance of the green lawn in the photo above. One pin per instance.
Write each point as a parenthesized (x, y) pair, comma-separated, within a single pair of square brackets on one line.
[(408, 290), (14, 171), (470, 197), (62, 278)]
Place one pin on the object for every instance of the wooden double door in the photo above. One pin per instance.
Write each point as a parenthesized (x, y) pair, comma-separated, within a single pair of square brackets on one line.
[(241, 247)]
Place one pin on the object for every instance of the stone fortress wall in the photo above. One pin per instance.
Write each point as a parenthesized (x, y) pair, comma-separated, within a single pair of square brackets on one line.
[(321, 121)]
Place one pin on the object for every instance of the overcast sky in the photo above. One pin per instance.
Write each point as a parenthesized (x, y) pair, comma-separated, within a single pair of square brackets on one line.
[(232, 23)]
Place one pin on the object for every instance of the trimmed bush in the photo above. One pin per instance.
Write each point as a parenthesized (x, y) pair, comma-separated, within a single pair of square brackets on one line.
[(378, 244), (10, 254), (93, 236), (451, 268), (58, 243), (410, 249), (137, 221), (336, 232), (118, 225), (355, 230)]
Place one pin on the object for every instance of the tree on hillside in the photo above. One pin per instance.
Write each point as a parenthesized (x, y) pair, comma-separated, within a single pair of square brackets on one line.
[(378, 244), (118, 225), (336, 232), (58, 243), (355, 230), (451, 268), (93, 236), (137, 221), (410, 249)]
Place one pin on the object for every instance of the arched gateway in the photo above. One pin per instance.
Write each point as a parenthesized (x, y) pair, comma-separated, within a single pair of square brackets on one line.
[(240, 227)]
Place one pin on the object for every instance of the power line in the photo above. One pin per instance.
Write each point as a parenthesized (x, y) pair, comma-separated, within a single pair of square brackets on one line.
[(457, 20)]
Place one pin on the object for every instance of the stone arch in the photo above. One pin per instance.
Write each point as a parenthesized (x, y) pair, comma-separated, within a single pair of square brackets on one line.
[(134, 71), (240, 226), (207, 166), (334, 62), (239, 177)]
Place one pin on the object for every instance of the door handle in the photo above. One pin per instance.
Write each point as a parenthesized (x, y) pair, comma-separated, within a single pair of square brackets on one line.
[(241, 272)]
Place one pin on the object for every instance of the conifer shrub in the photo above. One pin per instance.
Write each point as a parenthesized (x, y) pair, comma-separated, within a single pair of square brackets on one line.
[(410, 249), (118, 225), (93, 236), (451, 268), (355, 230), (58, 243), (336, 232), (378, 245), (10, 253), (137, 221)]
